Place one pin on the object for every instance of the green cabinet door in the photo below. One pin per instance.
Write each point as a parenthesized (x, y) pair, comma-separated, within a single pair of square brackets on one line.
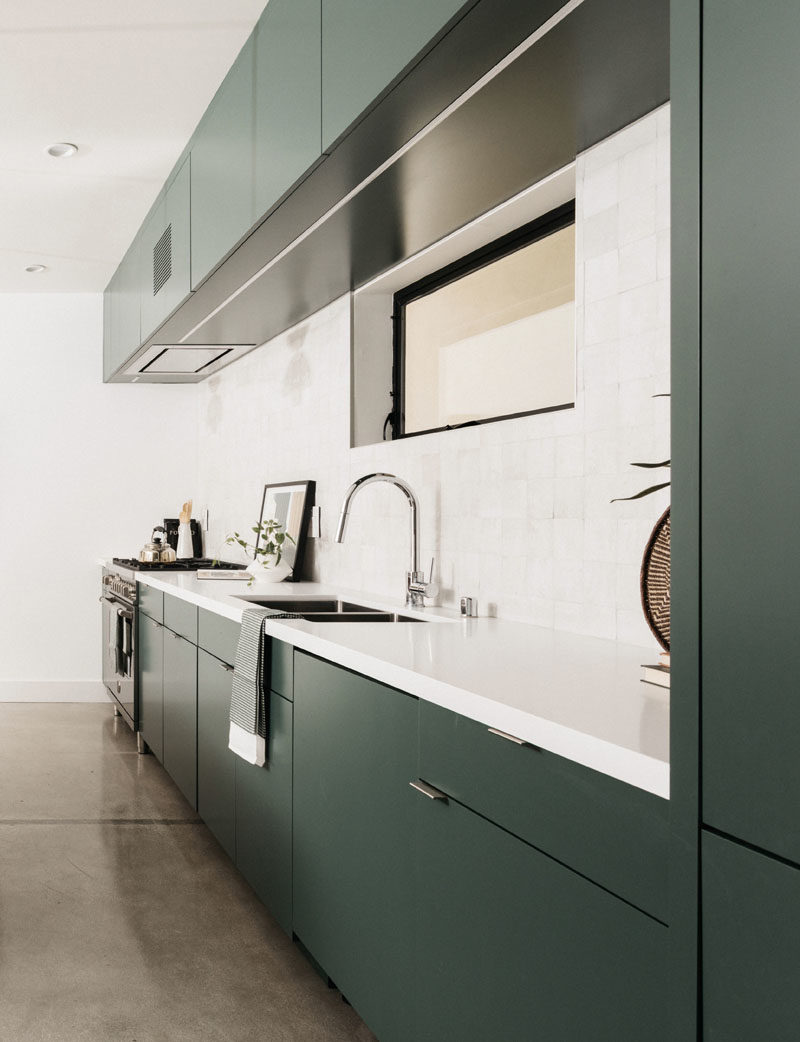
[(264, 817), (751, 372), (354, 756), (288, 120), (121, 311), (510, 944), (216, 768), (180, 713), (365, 44), (165, 258), (150, 655), (751, 944), (222, 207)]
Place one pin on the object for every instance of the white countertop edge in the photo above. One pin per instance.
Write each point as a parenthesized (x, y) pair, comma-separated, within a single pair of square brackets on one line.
[(644, 772), (626, 765)]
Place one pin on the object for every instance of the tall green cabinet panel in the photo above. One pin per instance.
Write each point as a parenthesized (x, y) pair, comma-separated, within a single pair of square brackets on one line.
[(288, 95), (354, 755), (150, 635), (216, 768), (121, 311), (750, 376), (751, 944), (364, 46), (264, 816), (180, 713), (165, 280), (222, 168), (510, 944)]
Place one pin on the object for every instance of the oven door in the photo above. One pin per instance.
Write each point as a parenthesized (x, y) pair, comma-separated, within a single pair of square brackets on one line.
[(119, 648)]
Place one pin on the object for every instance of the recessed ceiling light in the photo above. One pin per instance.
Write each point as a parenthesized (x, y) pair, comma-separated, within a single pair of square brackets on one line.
[(62, 149), (35, 268)]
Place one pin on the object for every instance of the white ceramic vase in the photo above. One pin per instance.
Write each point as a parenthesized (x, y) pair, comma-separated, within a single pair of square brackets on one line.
[(264, 570)]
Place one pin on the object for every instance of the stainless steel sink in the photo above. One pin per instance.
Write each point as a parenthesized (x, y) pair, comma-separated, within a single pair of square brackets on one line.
[(318, 609)]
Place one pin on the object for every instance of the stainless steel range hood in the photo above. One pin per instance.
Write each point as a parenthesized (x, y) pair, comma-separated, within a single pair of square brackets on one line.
[(186, 362)]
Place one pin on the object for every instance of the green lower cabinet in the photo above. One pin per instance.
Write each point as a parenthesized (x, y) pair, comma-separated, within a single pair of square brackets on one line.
[(264, 817), (354, 756), (512, 945), (216, 764), (180, 713), (750, 944), (150, 635)]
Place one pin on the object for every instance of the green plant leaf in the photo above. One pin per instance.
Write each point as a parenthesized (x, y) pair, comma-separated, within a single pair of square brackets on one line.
[(640, 495)]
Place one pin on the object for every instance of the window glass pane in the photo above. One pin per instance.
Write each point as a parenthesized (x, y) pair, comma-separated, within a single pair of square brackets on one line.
[(495, 342)]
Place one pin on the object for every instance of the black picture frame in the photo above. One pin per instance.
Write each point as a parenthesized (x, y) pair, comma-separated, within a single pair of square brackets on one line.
[(303, 512)]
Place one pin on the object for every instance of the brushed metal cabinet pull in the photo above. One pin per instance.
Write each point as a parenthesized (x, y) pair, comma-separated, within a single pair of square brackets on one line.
[(427, 790), (508, 737)]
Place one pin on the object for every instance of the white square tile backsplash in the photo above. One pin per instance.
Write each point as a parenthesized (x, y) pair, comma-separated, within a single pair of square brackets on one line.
[(517, 513)]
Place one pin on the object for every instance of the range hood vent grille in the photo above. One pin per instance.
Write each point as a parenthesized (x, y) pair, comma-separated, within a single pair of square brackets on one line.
[(162, 260)]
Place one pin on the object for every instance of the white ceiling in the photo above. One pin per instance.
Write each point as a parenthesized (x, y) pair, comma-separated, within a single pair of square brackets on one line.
[(125, 81)]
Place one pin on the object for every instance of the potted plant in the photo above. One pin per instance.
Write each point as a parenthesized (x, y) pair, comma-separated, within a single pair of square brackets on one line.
[(266, 552)]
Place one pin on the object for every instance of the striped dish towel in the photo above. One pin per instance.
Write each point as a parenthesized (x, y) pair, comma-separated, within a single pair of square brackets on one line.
[(248, 731)]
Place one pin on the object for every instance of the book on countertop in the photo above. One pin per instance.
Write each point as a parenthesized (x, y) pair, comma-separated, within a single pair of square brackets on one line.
[(223, 573), (656, 675)]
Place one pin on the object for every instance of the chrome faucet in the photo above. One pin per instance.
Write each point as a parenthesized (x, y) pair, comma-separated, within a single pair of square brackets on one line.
[(417, 587)]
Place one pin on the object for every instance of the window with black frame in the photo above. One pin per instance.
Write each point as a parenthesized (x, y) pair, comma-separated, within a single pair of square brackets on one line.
[(491, 336)]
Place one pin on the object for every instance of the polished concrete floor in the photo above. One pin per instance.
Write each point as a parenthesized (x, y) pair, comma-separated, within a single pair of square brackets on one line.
[(121, 919)]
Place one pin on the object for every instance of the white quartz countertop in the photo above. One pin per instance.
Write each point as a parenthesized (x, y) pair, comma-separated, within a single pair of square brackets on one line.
[(579, 697)]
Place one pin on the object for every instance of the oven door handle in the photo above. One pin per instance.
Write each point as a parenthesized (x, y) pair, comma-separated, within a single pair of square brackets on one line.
[(125, 613)]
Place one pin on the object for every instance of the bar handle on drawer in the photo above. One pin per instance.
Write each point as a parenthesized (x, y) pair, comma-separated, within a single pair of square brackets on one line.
[(427, 790), (508, 737), (226, 667)]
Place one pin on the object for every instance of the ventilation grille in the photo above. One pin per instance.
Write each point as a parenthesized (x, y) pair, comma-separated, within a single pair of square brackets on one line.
[(162, 259)]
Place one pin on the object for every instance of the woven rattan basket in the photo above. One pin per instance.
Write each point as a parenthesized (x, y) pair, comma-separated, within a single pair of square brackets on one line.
[(654, 580)]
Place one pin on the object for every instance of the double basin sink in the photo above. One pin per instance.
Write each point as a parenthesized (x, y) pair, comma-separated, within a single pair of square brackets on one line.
[(315, 609)]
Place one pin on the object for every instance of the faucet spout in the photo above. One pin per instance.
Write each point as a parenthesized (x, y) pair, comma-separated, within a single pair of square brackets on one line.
[(415, 577)]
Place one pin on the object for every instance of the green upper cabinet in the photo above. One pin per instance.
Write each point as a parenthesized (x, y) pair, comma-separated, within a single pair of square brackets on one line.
[(288, 96), (164, 263), (750, 491), (364, 46), (222, 168), (121, 311)]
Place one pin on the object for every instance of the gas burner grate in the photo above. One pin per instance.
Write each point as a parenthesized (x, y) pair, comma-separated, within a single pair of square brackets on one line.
[(190, 565)]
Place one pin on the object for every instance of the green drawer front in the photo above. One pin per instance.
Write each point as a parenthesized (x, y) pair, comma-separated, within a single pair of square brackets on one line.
[(217, 635), (613, 833), (181, 617), (282, 669), (150, 601)]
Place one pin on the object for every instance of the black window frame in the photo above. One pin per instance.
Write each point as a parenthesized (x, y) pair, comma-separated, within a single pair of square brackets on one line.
[(540, 228)]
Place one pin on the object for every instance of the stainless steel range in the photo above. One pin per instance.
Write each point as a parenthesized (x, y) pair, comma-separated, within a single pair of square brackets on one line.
[(118, 597)]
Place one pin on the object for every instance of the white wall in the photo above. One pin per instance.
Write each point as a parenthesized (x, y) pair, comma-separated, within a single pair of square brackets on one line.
[(86, 469), (518, 513)]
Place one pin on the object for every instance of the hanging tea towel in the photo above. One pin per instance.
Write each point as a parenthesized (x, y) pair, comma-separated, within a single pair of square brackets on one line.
[(248, 731)]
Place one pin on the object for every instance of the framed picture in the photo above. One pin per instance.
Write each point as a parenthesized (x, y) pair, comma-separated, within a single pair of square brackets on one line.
[(290, 503)]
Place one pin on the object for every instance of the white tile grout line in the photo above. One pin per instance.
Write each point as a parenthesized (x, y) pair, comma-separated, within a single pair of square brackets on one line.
[(509, 59)]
